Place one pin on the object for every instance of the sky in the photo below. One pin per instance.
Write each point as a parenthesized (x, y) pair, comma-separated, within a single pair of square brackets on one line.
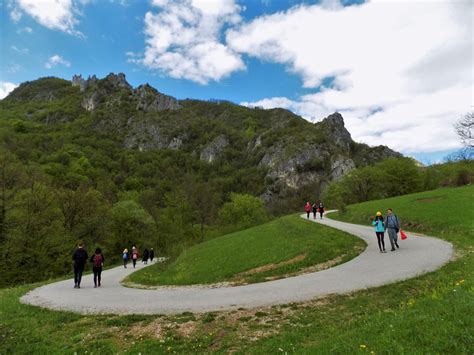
[(400, 72)]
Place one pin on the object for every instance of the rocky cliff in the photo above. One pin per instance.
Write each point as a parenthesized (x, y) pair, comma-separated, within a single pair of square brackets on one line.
[(289, 151)]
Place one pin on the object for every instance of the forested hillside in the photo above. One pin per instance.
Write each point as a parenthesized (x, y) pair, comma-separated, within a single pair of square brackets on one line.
[(100, 161)]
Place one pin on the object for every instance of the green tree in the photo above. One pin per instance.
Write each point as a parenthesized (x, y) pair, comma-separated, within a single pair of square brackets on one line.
[(244, 210), (131, 224)]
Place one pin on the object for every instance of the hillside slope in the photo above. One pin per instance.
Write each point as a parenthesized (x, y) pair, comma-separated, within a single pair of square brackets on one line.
[(288, 151)]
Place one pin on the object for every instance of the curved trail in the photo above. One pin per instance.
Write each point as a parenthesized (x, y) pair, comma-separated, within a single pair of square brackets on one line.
[(417, 255)]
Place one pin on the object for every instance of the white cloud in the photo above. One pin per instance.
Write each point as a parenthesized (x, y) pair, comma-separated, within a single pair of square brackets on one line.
[(5, 88), (402, 71), (56, 60), (15, 15), (13, 68), (20, 50), (24, 30), (183, 39), (53, 14)]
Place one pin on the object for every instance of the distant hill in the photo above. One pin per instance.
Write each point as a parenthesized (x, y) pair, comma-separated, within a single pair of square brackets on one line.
[(284, 152)]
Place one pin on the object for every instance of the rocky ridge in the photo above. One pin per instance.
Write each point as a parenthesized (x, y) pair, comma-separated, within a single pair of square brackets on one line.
[(290, 150)]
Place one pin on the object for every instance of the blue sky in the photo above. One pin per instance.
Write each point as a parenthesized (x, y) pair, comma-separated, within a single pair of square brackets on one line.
[(376, 64)]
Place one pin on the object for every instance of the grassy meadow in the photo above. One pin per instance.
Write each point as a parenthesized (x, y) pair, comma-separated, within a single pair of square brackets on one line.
[(430, 314), (283, 246)]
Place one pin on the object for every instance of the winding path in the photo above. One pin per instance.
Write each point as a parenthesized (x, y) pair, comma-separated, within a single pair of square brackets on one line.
[(417, 255)]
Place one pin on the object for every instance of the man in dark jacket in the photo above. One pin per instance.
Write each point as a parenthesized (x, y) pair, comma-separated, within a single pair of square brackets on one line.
[(152, 255), (80, 258), (392, 224)]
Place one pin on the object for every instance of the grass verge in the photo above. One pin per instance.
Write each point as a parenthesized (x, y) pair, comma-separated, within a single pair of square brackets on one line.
[(275, 249)]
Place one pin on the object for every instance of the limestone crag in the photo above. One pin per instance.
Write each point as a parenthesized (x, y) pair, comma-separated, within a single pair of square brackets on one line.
[(150, 100), (212, 150)]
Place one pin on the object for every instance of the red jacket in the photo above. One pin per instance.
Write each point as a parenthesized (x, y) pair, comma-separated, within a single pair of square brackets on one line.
[(307, 208)]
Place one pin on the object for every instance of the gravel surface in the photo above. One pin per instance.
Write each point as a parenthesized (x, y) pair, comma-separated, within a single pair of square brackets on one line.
[(417, 255)]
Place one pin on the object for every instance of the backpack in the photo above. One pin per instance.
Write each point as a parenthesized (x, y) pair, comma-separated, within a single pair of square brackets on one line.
[(125, 256), (135, 256), (97, 260)]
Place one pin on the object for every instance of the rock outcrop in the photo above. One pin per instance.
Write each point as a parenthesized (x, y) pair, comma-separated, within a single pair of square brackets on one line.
[(213, 149), (150, 100), (110, 91)]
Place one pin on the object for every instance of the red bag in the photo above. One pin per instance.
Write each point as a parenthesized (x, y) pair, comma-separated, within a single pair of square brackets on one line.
[(403, 235)]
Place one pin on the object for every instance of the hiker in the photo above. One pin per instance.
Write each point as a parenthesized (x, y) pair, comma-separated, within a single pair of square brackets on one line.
[(125, 257), (152, 255), (146, 255), (392, 224), (134, 256), (307, 208), (80, 258), (315, 209), (321, 209), (97, 261), (378, 223)]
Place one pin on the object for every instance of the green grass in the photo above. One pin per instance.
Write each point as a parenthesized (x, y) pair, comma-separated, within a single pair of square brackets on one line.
[(224, 258), (447, 212), (430, 314)]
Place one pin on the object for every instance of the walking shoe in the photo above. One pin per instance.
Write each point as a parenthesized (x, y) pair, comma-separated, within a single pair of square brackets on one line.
[(75, 285), (95, 286), (393, 249), (397, 245)]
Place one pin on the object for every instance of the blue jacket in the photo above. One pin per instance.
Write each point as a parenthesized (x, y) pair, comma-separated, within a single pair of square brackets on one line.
[(379, 227)]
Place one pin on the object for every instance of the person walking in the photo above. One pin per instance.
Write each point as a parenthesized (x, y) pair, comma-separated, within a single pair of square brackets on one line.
[(97, 261), (315, 209), (134, 256), (80, 258), (321, 209), (152, 255), (125, 257), (307, 208), (392, 225), (378, 223), (146, 255)]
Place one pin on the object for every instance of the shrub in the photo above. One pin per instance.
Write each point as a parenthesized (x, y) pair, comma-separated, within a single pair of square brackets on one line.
[(244, 210)]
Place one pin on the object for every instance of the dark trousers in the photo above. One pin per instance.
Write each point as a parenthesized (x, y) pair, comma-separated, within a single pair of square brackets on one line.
[(314, 214), (125, 262), (321, 214), (78, 270), (380, 236), (307, 214), (134, 261), (97, 274)]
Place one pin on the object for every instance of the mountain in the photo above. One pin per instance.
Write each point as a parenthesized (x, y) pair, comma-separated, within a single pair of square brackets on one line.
[(285, 152)]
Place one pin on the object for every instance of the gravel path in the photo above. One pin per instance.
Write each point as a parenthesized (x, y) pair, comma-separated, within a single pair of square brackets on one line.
[(417, 255)]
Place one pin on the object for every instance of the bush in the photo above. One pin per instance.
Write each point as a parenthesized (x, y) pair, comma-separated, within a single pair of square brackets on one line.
[(244, 210)]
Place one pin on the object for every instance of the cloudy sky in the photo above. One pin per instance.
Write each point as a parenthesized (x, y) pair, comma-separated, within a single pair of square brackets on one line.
[(400, 72)]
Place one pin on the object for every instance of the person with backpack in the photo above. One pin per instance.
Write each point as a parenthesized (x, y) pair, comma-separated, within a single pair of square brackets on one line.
[(125, 257), (315, 209), (378, 223), (80, 258), (97, 261), (146, 255), (152, 255), (134, 256), (307, 208), (321, 209), (392, 225)]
